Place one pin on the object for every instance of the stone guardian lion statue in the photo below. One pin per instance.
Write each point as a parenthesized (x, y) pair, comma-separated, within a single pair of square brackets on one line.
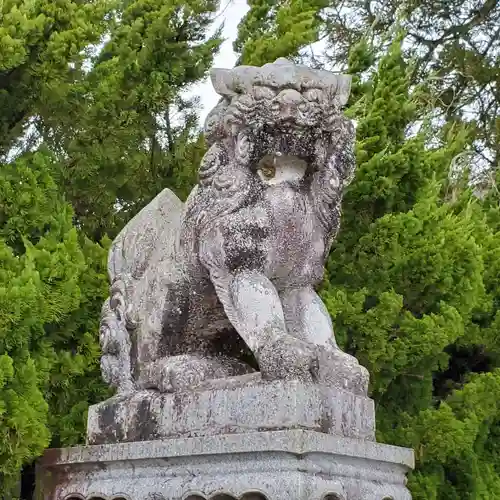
[(223, 286)]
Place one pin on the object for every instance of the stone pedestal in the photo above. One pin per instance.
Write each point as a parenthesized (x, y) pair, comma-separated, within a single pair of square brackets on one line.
[(273, 465), (245, 439), (239, 405)]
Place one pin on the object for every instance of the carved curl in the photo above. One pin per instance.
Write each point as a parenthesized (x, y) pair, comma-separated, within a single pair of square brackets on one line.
[(115, 345)]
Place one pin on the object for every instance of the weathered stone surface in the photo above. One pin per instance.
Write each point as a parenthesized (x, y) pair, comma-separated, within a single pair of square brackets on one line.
[(231, 274), (230, 383), (151, 236), (283, 465), (233, 407)]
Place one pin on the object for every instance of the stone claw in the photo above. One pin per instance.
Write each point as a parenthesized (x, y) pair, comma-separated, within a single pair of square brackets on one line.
[(342, 371), (289, 358)]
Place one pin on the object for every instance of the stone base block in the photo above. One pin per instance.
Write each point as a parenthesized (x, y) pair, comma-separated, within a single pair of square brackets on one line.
[(254, 407), (281, 465)]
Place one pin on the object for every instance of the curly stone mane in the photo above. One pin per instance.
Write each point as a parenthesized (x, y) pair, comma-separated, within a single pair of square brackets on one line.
[(248, 123)]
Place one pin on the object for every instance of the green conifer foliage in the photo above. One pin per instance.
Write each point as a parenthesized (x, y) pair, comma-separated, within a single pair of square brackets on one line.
[(51, 277), (413, 289), (273, 29), (111, 131), (126, 132), (43, 268), (42, 45), (456, 49)]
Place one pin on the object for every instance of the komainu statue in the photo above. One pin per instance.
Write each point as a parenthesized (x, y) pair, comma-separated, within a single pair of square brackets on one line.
[(223, 286)]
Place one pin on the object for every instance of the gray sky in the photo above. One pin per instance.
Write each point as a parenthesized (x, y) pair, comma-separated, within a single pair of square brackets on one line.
[(230, 14)]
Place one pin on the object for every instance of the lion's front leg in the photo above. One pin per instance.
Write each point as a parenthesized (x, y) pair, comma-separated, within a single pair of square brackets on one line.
[(234, 253), (308, 319), (254, 308)]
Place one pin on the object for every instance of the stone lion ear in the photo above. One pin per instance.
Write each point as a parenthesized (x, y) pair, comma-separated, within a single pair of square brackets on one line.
[(222, 80), (340, 88)]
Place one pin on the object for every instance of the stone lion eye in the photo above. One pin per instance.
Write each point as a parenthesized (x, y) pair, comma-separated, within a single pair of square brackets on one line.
[(313, 95)]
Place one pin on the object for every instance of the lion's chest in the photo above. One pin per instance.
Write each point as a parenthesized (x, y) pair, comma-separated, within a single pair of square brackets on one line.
[(296, 242)]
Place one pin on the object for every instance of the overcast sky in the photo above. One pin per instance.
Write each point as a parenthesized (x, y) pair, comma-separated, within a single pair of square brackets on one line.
[(230, 14)]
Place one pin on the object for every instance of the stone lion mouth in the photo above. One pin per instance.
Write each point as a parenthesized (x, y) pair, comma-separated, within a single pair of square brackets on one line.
[(287, 139), (275, 169)]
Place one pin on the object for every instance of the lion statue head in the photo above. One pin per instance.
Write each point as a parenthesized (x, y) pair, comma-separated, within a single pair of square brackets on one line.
[(277, 110)]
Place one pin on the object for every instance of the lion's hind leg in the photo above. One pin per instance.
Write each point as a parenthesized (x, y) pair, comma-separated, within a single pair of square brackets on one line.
[(189, 371)]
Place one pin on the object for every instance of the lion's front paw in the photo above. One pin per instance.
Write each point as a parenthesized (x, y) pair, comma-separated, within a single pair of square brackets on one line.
[(170, 374), (288, 358), (343, 371)]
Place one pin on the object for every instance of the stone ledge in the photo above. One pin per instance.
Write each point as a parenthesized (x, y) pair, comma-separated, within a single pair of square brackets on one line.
[(281, 465), (258, 407), (297, 442)]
